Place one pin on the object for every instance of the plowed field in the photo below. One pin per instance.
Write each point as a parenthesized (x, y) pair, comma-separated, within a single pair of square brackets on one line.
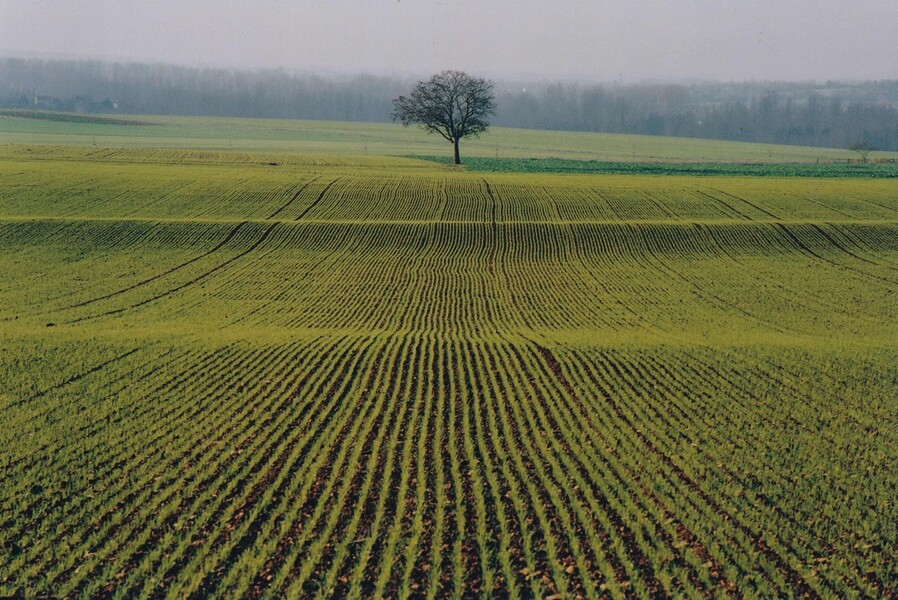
[(369, 377)]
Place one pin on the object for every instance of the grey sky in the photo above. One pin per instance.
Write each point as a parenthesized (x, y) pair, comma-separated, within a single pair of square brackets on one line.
[(561, 39)]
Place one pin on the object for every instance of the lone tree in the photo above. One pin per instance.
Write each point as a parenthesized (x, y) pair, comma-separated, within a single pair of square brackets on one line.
[(450, 103), (863, 148)]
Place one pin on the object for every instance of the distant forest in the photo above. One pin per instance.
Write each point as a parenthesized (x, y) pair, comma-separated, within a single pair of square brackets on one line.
[(828, 114)]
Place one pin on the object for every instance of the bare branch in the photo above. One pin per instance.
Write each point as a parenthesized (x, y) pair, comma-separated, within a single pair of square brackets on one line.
[(863, 149), (452, 104)]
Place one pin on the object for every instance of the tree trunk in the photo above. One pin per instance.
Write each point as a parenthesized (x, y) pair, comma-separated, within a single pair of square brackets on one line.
[(457, 157)]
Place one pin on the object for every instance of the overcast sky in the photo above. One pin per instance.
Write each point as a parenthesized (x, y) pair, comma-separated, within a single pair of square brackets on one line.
[(592, 40)]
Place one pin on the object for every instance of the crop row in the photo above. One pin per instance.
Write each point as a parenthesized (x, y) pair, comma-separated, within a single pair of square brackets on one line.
[(640, 279), (382, 381), (91, 189), (420, 463)]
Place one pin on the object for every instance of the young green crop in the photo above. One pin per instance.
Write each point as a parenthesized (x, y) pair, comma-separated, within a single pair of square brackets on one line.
[(376, 376)]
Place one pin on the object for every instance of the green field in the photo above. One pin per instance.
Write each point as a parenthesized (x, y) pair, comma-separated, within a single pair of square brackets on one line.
[(829, 170), (378, 139), (258, 373)]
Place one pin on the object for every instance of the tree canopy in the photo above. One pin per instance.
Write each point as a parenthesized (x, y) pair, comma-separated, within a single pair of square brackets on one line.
[(451, 103)]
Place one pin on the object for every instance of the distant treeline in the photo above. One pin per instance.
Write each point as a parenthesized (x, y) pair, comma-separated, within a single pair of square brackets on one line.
[(135, 88), (830, 114)]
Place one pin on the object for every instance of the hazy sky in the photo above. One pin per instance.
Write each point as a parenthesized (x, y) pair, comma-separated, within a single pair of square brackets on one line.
[(546, 39)]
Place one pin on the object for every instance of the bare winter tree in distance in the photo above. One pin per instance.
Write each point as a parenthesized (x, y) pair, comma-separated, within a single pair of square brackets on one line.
[(452, 104), (863, 149)]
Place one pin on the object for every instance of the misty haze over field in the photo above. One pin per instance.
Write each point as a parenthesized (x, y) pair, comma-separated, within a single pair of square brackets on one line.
[(692, 68), (831, 114), (586, 40)]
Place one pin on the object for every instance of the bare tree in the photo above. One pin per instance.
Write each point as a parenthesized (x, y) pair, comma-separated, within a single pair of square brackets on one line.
[(452, 104), (863, 149)]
